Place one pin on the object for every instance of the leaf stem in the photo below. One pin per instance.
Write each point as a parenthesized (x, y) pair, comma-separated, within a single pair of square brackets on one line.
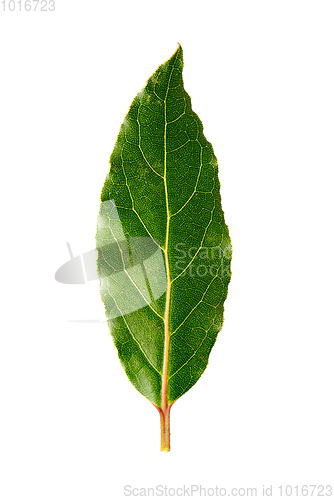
[(165, 428)]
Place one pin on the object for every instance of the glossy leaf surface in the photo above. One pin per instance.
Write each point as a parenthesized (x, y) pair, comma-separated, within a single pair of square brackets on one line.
[(163, 247)]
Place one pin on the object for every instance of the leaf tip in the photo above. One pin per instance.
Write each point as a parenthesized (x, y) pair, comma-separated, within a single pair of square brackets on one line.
[(178, 55), (179, 49)]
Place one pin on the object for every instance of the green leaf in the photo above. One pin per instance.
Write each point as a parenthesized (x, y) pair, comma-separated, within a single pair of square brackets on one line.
[(163, 246)]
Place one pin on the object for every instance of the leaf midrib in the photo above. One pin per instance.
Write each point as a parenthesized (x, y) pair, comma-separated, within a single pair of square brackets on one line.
[(164, 386)]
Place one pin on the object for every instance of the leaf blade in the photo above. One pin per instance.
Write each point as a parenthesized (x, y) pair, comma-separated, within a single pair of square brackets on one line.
[(163, 183)]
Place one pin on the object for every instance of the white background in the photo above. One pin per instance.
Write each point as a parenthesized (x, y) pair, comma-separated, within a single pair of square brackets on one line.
[(261, 78)]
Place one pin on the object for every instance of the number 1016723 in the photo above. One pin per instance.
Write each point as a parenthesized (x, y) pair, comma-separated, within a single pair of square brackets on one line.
[(28, 5)]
